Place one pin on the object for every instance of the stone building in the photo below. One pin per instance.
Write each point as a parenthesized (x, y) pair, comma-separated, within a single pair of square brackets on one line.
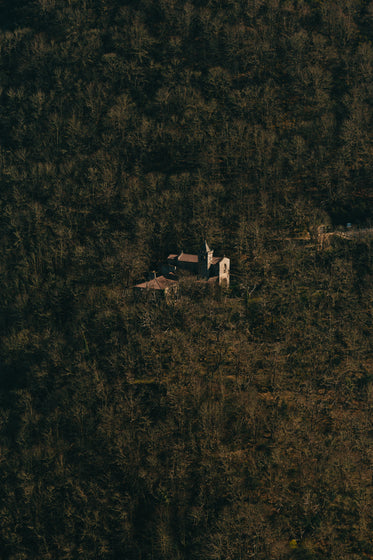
[(203, 266)]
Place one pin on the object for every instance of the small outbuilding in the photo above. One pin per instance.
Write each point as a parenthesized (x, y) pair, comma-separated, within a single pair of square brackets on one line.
[(159, 286)]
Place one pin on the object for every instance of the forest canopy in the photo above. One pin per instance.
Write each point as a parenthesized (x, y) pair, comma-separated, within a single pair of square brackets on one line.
[(230, 425)]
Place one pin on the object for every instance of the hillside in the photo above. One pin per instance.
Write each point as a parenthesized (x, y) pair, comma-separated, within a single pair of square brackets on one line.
[(229, 425)]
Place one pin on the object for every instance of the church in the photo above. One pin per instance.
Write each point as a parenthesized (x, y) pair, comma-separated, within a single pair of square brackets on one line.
[(204, 266)]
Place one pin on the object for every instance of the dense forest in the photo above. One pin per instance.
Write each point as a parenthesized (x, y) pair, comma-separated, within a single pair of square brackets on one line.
[(228, 425)]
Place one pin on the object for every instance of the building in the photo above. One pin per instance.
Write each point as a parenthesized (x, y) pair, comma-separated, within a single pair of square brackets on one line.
[(159, 286), (204, 266)]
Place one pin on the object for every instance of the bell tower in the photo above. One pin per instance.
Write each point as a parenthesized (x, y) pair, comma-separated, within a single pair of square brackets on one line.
[(204, 260)]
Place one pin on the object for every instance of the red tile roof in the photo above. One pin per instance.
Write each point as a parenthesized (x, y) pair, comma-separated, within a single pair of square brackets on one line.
[(159, 283)]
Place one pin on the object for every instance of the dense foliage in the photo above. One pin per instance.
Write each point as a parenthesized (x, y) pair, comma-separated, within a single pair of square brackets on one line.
[(228, 425)]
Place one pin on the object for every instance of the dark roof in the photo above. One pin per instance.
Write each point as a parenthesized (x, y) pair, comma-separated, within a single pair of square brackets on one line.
[(187, 257), (159, 283)]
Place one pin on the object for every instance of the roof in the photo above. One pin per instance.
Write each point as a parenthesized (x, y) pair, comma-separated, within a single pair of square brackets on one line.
[(159, 283), (183, 257), (205, 247), (186, 257)]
